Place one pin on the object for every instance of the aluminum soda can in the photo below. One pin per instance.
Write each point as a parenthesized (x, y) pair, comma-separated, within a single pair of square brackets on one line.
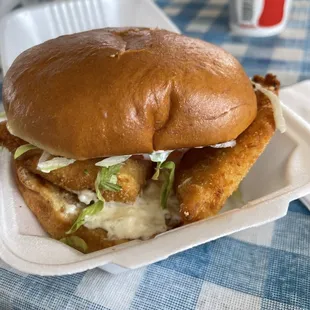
[(258, 18)]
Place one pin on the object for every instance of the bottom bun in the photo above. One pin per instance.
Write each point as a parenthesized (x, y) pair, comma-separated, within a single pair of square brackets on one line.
[(47, 202)]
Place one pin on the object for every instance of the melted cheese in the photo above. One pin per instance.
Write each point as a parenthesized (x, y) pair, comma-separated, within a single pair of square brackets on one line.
[(143, 219)]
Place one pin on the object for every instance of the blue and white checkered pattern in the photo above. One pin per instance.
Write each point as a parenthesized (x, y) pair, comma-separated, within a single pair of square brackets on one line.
[(287, 55), (261, 268)]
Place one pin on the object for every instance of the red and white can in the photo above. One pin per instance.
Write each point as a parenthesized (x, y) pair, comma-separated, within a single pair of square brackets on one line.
[(258, 18)]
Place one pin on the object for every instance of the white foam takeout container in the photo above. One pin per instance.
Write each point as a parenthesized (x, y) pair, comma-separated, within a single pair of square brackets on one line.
[(280, 175), (33, 25)]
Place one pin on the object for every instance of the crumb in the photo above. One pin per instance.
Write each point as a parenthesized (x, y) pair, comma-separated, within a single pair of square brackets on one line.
[(185, 182)]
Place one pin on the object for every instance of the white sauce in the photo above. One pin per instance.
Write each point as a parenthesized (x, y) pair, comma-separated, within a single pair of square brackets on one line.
[(86, 196), (143, 219), (227, 144), (70, 209)]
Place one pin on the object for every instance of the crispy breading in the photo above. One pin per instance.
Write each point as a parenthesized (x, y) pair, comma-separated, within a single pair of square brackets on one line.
[(269, 81), (208, 176), (7, 140), (48, 203), (82, 174)]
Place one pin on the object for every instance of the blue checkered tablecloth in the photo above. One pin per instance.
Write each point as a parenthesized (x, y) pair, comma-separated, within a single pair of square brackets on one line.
[(261, 268), (287, 55)]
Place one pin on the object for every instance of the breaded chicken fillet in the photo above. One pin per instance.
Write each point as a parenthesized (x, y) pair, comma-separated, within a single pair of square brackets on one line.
[(208, 176), (81, 175)]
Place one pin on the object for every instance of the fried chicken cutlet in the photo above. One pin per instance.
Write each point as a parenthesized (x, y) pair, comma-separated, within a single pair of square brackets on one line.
[(208, 176), (81, 175)]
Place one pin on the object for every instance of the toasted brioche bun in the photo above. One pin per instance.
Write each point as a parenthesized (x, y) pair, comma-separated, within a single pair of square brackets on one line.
[(124, 91), (46, 201)]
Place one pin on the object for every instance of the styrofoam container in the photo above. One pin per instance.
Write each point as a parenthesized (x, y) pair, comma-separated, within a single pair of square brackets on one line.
[(280, 175), (26, 27), (7, 6), (296, 97)]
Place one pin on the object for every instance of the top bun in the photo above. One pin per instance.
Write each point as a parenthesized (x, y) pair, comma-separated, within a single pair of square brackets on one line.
[(117, 91)]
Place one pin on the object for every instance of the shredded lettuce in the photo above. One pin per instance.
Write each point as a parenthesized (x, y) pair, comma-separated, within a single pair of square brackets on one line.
[(47, 166), (75, 242), (2, 114), (227, 144), (276, 106), (97, 187), (112, 161), (159, 157), (157, 171), (107, 180), (169, 166), (23, 149), (44, 157), (88, 211)]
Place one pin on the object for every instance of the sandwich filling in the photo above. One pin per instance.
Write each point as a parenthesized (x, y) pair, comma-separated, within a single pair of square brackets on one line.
[(142, 219), (137, 196)]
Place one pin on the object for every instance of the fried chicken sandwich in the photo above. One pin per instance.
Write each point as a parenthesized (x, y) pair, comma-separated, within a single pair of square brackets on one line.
[(120, 134)]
